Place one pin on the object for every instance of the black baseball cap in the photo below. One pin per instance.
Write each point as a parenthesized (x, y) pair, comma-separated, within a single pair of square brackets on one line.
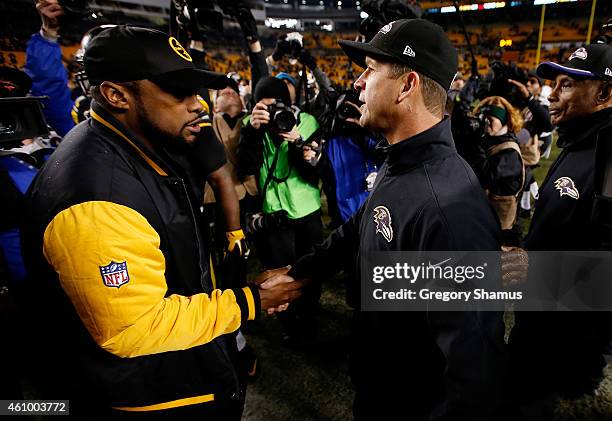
[(127, 53), (272, 87), (591, 62), (418, 43)]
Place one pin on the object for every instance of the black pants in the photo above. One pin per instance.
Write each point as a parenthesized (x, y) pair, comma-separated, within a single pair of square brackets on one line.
[(283, 245)]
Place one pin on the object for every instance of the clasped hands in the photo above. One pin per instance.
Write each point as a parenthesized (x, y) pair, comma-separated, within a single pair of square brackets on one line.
[(277, 289)]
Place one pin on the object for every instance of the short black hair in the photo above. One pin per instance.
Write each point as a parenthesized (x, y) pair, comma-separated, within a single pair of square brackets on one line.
[(97, 96)]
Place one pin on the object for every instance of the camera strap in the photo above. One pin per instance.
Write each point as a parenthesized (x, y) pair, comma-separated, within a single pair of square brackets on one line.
[(271, 169)]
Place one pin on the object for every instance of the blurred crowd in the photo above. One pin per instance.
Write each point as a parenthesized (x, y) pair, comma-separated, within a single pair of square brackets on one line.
[(287, 132)]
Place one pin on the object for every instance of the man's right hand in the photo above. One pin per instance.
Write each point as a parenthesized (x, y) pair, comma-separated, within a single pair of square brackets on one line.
[(277, 289), (278, 297), (49, 11), (260, 114)]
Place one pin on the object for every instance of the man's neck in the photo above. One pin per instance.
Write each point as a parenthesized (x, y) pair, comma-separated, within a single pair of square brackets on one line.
[(411, 125), (134, 128)]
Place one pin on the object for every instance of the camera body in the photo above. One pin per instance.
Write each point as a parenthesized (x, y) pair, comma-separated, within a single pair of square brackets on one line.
[(260, 222), (477, 126), (21, 118), (282, 117), (204, 15), (497, 84), (381, 12), (76, 7)]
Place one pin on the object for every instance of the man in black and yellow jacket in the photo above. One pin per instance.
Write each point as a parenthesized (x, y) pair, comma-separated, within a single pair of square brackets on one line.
[(122, 293)]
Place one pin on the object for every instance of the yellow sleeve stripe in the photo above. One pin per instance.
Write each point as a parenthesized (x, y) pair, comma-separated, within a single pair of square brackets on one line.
[(153, 165), (250, 302), (205, 125), (134, 316), (168, 405), (213, 277)]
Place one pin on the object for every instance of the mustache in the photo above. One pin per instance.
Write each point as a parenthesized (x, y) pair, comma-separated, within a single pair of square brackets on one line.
[(201, 118)]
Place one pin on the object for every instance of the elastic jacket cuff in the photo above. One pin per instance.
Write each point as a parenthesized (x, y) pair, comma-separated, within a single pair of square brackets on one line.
[(248, 300)]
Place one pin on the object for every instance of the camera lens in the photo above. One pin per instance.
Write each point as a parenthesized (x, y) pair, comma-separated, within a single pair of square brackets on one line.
[(284, 120)]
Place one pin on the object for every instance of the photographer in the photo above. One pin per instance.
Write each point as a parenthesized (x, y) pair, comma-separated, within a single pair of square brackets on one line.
[(500, 168), (537, 130), (44, 66), (280, 145)]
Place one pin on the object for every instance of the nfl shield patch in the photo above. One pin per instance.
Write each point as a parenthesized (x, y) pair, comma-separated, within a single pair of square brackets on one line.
[(115, 274)]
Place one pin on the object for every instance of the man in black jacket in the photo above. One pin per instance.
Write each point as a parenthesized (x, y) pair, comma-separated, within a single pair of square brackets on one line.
[(561, 354), (415, 365), (122, 293)]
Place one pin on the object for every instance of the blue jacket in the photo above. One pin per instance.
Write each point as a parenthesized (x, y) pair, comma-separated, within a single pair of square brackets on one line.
[(350, 165), (50, 78), (20, 174)]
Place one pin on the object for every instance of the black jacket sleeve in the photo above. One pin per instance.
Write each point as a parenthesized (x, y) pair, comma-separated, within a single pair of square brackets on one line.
[(338, 250), (250, 151), (502, 173), (259, 68), (310, 173), (207, 153), (541, 118)]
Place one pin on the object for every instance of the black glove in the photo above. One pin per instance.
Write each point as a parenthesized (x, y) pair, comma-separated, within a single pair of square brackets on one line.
[(307, 59), (247, 23), (282, 48)]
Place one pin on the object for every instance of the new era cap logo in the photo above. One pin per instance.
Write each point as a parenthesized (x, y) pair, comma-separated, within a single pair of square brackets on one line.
[(608, 72), (408, 51), (178, 49), (580, 53), (385, 29)]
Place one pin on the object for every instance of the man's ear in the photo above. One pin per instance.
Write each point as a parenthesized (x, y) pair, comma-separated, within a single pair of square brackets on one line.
[(116, 96), (604, 94), (410, 83)]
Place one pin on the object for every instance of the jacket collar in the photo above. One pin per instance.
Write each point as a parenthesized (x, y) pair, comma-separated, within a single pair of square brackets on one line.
[(104, 120), (577, 130), (434, 143)]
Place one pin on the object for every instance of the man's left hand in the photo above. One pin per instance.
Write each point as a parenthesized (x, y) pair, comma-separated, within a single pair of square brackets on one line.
[(236, 240), (291, 136)]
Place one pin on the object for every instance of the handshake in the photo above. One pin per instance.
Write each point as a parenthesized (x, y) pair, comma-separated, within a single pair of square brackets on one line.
[(277, 289)]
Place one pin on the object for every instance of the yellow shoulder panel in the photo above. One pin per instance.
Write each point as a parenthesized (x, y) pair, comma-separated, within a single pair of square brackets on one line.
[(110, 265)]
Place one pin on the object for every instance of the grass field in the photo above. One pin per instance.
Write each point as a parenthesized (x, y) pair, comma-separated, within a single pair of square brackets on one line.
[(313, 383)]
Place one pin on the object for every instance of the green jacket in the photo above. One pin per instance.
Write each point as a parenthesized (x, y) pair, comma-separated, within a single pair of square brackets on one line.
[(287, 190)]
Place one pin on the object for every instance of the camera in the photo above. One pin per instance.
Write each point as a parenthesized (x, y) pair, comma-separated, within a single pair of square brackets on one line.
[(344, 109), (497, 83), (260, 222), (282, 117), (75, 7), (21, 118), (381, 12), (204, 16), (476, 126)]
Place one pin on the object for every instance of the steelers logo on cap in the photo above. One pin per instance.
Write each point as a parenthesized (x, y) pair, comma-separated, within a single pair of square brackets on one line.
[(178, 49)]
